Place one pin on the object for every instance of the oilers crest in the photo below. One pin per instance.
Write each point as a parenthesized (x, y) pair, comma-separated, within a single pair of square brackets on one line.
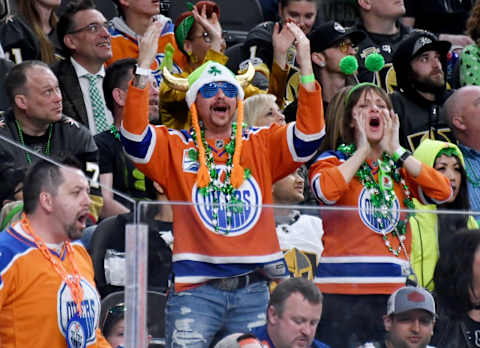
[(249, 193), (366, 212), (82, 331)]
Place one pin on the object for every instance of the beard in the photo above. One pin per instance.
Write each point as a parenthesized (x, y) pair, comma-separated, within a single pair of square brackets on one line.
[(73, 232), (428, 84)]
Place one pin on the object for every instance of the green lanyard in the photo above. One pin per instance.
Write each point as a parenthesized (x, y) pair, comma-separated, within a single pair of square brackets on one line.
[(47, 148)]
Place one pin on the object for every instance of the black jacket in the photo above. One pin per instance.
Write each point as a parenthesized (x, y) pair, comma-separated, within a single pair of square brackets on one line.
[(420, 118), (450, 332), (72, 96), (68, 136)]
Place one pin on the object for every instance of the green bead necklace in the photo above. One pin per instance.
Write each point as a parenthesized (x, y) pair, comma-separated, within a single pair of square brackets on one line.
[(382, 194), (233, 204), (115, 132), (46, 150)]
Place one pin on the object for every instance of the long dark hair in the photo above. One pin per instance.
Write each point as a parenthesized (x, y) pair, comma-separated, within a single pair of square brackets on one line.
[(453, 274), (448, 223)]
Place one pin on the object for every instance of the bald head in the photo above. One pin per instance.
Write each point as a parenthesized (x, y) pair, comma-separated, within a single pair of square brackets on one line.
[(462, 112)]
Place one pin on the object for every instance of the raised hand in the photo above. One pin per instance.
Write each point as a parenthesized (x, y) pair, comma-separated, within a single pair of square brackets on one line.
[(281, 40), (360, 128), (390, 141), (302, 46), (148, 45), (211, 26)]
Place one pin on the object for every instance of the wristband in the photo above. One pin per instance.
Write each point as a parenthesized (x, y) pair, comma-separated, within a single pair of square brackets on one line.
[(307, 78), (403, 155), (142, 71), (398, 153)]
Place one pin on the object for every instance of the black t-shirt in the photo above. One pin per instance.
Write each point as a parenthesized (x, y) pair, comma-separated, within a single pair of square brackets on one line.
[(37, 143), (473, 331), (384, 45), (126, 178)]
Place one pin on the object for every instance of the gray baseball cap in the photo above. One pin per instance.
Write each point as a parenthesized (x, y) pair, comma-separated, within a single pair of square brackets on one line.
[(408, 298)]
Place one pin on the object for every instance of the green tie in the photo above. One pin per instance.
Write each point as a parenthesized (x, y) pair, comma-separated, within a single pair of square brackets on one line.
[(98, 106)]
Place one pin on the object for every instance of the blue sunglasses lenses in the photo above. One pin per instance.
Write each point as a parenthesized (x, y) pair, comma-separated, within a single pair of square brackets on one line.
[(210, 89)]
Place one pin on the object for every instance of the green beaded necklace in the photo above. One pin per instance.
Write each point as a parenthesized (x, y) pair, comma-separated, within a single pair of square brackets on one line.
[(47, 147), (382, 194), (115, 132), (233, 204)]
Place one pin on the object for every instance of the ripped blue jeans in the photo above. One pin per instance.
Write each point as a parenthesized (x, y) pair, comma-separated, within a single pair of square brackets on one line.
[(194, 317)]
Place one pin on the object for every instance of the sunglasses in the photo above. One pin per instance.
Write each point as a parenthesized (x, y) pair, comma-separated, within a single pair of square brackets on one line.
[(115, 310), (344, 46), (211, 89)]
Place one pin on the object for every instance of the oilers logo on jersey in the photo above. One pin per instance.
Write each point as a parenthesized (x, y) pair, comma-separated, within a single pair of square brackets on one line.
[(67, 309), (366, 212), (249, 193)]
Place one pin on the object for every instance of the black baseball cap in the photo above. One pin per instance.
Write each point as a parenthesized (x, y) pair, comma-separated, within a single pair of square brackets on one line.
[(326, 34)]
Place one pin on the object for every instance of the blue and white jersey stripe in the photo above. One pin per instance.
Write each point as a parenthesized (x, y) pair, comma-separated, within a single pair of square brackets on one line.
[(195, 269), (139, 147), (302, 146), (362, 270)]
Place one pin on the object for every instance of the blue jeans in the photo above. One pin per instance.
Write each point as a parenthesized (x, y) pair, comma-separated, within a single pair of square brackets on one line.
[(195, 316)]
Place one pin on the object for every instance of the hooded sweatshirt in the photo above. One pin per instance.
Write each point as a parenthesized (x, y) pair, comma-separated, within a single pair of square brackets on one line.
[(424, 226)]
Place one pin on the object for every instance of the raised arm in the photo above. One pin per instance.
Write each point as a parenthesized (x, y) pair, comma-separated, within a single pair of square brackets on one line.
[(304, 136), (140, 140)]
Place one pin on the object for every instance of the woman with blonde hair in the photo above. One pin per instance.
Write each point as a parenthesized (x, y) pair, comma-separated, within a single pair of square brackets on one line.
[(261, 110)]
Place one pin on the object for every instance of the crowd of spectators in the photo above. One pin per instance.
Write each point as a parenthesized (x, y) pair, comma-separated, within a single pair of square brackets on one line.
[(363, 109)]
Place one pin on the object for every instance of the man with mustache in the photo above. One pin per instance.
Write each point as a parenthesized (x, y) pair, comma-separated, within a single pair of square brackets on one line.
[(420, 64)]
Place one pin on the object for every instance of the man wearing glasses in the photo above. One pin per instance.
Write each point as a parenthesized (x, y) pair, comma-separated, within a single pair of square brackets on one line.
[(84, 37), (225, 245)]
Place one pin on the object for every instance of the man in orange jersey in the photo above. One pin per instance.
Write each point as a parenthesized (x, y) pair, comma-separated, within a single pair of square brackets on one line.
[(128, 28), (225, 244), (47, 289)]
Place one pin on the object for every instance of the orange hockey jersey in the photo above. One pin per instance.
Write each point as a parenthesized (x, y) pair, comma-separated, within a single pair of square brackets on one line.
[(200, 251), (355, 259), (125, 45), (35, 303)]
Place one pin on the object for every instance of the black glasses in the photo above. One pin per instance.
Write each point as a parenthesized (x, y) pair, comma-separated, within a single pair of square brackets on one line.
[(91, 28)]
